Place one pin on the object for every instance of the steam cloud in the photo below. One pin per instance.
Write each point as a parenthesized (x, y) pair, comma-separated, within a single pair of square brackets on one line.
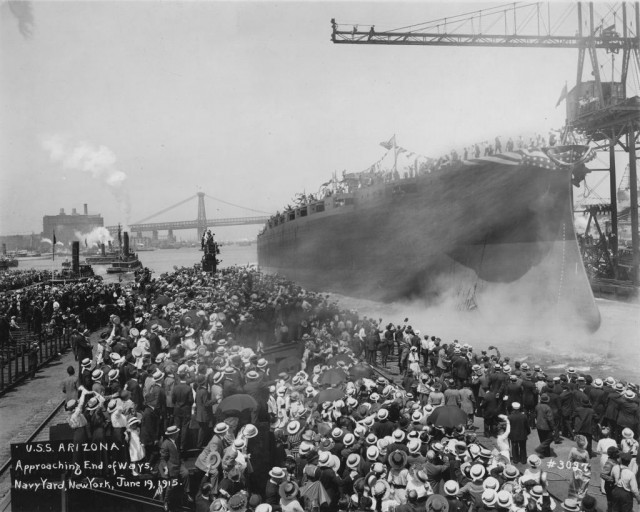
[(22, 10), (97, 236), (46, 241), (99, 161)]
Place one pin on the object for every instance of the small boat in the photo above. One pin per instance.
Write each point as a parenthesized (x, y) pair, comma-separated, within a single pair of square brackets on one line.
[(7, 262), (120, 267)]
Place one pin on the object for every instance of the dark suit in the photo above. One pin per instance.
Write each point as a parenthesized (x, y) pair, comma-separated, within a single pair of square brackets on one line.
[(182, 398), (271, 495), (519, 432), (170, 457)]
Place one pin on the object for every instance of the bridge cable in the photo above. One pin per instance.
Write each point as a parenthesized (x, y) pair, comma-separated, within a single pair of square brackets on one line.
[(165, 210), (237, 205)]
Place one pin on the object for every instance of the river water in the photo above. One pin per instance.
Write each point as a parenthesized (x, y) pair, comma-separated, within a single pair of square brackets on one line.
[(612, 350)]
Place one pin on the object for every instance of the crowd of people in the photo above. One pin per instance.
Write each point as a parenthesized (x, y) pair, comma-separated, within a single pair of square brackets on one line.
[(16, 279), (182, 372)]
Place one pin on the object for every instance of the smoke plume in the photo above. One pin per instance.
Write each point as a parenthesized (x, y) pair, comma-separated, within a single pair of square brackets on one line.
[(99, 161), (22, 10), (97, 236), (46, 241)]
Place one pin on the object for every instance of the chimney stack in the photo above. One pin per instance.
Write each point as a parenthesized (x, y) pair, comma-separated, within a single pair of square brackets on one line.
[(74, 212), (75, 257), (61, 211), (86, 211)]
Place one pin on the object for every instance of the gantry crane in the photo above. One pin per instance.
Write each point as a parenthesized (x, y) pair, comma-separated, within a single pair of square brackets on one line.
[(599, 110)]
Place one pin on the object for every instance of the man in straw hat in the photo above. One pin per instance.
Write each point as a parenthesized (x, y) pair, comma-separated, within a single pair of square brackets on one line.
[(171, 466)]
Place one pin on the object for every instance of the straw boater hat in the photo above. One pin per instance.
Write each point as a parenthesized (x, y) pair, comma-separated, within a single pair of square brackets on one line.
[(324, 459), (158, 375), (451, 488), (398, 435), (353, 461), (348, 439), (277, 473), (571, 505), (172, 430), (293, 427), (97, 375), (491, 483), (373, 453), (305, 448), (505, 500), (510, 472), (627, 433), (288, 490), (93, 404), (489, 497), (221, 428), (249, 431), (414, 446), (534, 461), (477, 472), (212, 460)]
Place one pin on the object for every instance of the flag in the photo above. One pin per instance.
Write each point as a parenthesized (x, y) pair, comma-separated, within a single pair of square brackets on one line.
[(53, 250), (85, 243), (389, 144), (563, 94)]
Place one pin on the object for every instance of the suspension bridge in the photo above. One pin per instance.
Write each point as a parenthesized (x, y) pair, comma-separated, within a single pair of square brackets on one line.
[(200, 223)]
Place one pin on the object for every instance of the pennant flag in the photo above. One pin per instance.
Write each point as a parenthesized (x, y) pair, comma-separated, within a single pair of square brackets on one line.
[(389, 144), (401, 150), (563, 94), (53, 250)]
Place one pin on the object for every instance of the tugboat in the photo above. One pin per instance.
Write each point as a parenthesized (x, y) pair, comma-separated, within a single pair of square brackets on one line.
[(127, 261), (211, 250), (73, 271), (7, 261)]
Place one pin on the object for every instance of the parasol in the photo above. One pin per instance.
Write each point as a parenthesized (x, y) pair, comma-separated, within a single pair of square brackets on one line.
[(333, 377), (237, 403), (448, 416), (314, 492), (289, 364), (340, 357), (162, 300), (360, 371), (329, 395), (191, 314)]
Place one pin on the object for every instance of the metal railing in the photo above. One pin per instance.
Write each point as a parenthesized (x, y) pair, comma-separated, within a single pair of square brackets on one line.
[(16, 351)]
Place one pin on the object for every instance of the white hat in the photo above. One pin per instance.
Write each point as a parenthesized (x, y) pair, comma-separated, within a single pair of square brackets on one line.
[(515, 405), (383, 414), (489, 497), (324, 459), (373, 453)]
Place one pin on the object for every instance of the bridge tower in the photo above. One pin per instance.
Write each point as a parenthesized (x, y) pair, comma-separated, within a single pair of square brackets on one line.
[(202, 215)]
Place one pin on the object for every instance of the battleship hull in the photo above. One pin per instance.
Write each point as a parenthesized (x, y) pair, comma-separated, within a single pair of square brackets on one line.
[(501, 224)]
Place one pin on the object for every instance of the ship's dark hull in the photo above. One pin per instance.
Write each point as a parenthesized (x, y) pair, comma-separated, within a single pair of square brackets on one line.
[(462, 231)]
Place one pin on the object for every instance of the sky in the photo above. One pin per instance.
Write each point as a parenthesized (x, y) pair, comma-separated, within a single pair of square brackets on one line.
[(134, 106)]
